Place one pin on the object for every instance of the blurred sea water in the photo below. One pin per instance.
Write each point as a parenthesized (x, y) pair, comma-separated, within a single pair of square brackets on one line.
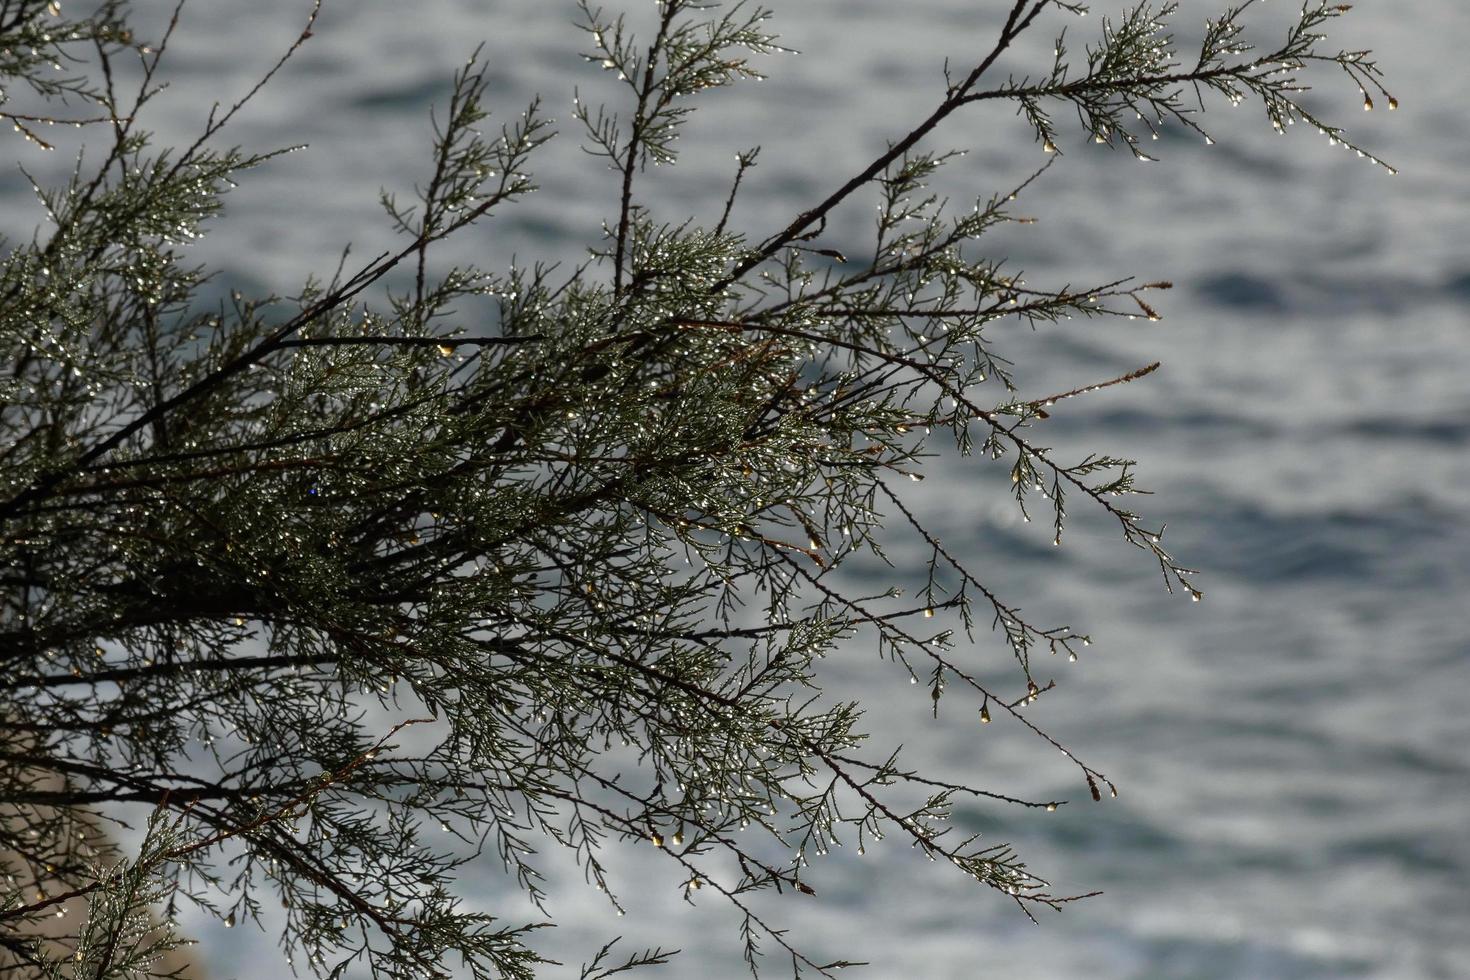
[(1291, 753)]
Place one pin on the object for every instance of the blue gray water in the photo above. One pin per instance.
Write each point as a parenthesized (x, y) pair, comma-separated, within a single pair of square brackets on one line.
[(1291, 752)]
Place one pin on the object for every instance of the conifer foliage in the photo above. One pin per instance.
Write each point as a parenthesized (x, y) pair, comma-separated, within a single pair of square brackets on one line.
[(307, 582)]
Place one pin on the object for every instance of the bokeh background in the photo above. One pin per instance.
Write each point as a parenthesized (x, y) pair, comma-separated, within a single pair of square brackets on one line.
[(1291, 752)]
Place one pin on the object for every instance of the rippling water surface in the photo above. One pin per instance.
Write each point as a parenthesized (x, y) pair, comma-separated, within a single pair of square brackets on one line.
[(1291, 753)]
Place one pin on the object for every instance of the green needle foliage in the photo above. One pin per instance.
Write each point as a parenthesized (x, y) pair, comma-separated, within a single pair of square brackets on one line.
[(307, 579)]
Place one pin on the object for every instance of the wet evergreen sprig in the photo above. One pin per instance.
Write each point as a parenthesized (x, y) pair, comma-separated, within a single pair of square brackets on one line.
[(1136, 79)]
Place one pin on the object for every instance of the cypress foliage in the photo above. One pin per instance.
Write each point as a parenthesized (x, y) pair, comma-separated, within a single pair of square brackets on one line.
[(307, 580)]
